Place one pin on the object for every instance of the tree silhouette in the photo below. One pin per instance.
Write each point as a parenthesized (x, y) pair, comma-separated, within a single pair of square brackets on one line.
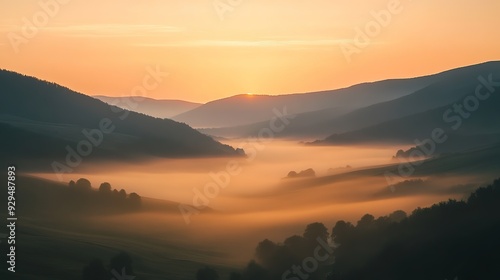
[(83, 184), (453, 239), (342, 232), (122, 194), (398, 216), (314, 231), (105, 188), (298, 246), (134, 200), (366, 221), (440, 242)]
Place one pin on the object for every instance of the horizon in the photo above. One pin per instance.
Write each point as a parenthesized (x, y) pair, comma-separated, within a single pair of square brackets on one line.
[(254, 94)]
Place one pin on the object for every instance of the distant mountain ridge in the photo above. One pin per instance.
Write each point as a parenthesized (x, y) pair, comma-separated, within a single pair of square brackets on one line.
[(158, 108), (469, 129), (440, 90), (248, 109)]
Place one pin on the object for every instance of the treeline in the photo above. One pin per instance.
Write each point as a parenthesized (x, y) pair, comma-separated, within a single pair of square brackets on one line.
[(105, 199), (450, 240), (48, 199)]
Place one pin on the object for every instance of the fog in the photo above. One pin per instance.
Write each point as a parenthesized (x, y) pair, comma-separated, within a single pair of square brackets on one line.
[(258, 202), (266, 166)]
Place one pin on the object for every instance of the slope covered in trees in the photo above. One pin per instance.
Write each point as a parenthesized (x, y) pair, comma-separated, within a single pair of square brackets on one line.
[(449, 240)]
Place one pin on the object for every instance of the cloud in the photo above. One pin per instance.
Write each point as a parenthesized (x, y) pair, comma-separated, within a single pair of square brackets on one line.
[(248, 43), (112, 30)]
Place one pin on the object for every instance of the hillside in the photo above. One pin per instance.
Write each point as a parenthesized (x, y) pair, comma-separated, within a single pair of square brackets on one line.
[(247, 109), (41, 120), (477, 127), (158, 108), (441, 89)]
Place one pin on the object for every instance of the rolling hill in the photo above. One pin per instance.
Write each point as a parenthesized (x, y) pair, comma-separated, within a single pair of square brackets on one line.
[(441, 90), (158, 108), (471, 129), (248, 109), (43, 121)]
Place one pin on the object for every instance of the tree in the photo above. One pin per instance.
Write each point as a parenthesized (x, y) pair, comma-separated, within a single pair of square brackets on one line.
[(366, 221), (135, 199), (207, 273), (298, 246), (105, 188), (314, 231), (397, 216), (342, 232), (122, 194), (83, 184), (266, 252)]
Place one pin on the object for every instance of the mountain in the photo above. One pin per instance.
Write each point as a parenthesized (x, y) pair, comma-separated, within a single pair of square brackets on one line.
[(43, 121), (441, 89), (474, 128), (485, 121), (303, 125), (248, 109), (158, 108)]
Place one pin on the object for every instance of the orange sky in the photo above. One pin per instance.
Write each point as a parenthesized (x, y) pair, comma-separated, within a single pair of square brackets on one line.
[(255, 46)]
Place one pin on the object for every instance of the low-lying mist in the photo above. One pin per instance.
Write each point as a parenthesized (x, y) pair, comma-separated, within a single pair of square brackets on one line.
[(259, 202)]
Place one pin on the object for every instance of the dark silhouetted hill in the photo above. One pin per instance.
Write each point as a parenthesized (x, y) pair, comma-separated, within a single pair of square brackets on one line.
[(481, 127), (41, 118)]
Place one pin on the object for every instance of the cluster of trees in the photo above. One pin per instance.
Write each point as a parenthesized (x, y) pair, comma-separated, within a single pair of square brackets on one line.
[(105, 199), (450, 240), (302, 174), (306, 256), (119, 267)]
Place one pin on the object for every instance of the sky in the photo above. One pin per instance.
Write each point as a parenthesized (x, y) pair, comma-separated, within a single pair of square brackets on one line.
[(213, 49)]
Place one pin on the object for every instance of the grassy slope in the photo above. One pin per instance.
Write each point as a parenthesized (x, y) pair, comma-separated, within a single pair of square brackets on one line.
[(54, 244)]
